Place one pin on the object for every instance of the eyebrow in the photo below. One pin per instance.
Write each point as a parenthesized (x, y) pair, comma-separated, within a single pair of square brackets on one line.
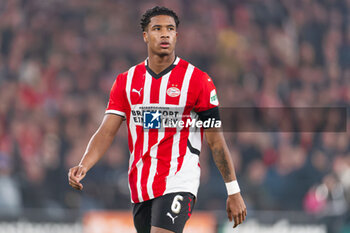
[(158, 25)]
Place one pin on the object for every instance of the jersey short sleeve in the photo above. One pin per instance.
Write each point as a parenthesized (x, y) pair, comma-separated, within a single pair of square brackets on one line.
[(117, 99), (207, 103)]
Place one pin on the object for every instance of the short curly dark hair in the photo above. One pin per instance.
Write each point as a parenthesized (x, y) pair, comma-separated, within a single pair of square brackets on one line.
[(146, 17)]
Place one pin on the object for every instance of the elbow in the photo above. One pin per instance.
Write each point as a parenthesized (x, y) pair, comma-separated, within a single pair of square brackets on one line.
[(211, 143), (214, 143)]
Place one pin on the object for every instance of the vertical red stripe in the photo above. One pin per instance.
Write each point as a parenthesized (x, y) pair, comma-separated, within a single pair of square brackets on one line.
[(175, 80), (152, 139), (137, 157), (137, 85), (132, 178), (139, 149), (154, 97), (163, 167), (144, 176), (132, 173), (128, 113)]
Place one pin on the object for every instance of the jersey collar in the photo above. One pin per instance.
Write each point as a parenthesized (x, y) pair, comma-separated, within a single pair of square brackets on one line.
[(165, 71)]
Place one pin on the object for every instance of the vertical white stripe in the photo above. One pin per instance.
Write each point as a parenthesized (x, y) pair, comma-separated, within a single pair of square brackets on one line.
[(185, 85), (147, 89), (182, 102), (152, 173), (139, 166), (176, 61), (145, 141), (162, 89), (131, 125), (146, 100), (175, 152), (154, 161), (128, 83)]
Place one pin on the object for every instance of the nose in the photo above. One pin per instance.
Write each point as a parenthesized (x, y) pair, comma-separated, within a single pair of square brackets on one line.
[(165, 34)]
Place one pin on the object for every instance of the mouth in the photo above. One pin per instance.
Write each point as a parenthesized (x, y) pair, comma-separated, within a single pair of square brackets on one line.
[(164, 44)]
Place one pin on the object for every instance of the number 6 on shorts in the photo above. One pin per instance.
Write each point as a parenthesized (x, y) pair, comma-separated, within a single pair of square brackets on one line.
[(176, 205)]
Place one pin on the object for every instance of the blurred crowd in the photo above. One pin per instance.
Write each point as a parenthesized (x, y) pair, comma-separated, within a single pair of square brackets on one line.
[(58, 60)]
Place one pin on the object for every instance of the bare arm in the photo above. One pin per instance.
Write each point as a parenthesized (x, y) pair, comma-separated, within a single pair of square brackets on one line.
[(96, 148), (235, 206), (221, 154)]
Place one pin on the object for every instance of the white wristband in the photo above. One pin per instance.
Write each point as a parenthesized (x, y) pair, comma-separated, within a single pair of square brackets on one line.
[(232, 187)]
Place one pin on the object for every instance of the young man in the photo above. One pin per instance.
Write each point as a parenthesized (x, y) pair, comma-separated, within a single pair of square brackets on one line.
[(164, 162)]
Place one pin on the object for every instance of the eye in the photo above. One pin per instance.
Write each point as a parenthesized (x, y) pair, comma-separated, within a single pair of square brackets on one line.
[(171, 29)]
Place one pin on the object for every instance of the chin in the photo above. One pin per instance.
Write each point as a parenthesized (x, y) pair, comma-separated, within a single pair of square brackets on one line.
[(163, 54)]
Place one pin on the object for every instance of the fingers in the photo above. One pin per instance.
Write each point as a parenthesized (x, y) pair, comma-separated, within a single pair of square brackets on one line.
[(229, 214), (237, 222), (75, 174), (236, 209), (239, 218), (75, 183), (76, 186)]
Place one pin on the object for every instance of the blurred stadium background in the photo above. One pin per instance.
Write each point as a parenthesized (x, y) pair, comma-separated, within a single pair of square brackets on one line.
[(59, 58)]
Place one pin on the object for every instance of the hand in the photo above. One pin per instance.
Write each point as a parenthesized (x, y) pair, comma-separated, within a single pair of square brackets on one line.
[(75, 175), (236, 209)]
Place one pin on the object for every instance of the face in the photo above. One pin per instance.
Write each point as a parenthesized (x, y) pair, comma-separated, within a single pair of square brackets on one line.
[(160, 35)]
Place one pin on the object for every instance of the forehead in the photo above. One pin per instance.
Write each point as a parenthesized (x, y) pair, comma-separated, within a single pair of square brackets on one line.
[(162, 20)]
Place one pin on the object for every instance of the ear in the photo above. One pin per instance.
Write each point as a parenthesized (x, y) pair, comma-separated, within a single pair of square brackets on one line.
[(145, 37)]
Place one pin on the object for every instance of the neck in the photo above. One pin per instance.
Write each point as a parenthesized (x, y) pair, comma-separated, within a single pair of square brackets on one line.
[(159, 63)]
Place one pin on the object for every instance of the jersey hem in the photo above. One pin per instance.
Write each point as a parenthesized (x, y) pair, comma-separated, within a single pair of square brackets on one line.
[(193, 192)]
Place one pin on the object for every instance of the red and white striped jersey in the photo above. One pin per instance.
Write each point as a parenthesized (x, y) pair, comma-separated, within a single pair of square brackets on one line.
[(162, 160)]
